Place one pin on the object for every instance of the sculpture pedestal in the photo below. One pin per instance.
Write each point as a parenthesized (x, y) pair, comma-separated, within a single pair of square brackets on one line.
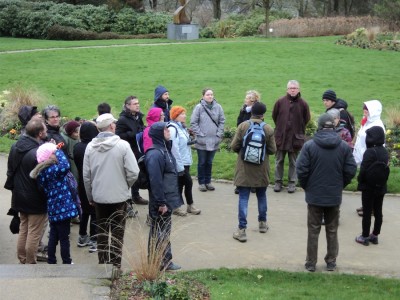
[(183, 32)]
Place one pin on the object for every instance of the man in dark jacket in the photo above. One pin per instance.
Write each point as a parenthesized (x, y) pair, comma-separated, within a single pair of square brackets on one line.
[(291, 115), (27, 199), (130, 123), (164, 195), (162, 100), (324, 167)]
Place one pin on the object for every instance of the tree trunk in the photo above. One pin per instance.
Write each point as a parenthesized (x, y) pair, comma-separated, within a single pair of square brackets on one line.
[(217, 9), (336, 7), (267, 7)]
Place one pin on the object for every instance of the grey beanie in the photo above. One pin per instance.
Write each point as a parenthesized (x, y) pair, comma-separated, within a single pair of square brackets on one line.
[(326, 121)]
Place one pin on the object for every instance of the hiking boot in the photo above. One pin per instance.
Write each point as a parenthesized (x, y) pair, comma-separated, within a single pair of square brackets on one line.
[(140, 201), (179, 212), (93, 247), (173, 267), (278, 187), (237, 191), (240, 235), (42, 256), (130, 212), (202, 188), (83, 240), (193, 210), (331, 266), (362, 240), (263, 226), (373, 239), (210, 187), (291, 188), (309, 267)]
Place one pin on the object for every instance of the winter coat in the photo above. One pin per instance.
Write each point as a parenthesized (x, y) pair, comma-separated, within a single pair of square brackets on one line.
[(375, 152), (153, 116), (87, 132), (345, 135), (208, 134), (128, 126), (54, 133), (374, 119), (290, 115), (324, 167), (161, 169), (244, 115), (180, 148), (247, 174), (51, 176), (109, 169), (26, 196), (160, 103)]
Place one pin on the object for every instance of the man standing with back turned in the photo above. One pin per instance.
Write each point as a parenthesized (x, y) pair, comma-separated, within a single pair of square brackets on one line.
[(291, 115)]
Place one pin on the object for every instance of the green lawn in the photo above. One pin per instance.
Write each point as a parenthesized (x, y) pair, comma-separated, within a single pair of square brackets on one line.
[(77, 79)]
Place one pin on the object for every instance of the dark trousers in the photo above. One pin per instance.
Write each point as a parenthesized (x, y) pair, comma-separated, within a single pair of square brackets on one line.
[(135, 192), (110, 232), (159, 239), (204, 165), (84, 222), (186, 181), (371, 200), (59, 231), (314, 220)]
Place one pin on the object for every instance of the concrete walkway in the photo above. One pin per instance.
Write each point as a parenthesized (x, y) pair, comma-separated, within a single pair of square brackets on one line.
[(205, 241)]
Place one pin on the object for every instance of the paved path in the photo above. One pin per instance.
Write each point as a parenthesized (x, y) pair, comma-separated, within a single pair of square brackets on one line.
[(205, 241)]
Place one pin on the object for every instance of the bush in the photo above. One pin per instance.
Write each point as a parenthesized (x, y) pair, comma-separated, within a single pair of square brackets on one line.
[(370, 39)]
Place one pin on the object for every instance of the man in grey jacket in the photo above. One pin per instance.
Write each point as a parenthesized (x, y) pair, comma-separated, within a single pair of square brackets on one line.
[(324, 167), (109, 171)]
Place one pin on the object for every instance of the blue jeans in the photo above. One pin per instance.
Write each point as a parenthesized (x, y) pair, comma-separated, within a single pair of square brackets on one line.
[(59, 231), (204, 165), (244, 193)]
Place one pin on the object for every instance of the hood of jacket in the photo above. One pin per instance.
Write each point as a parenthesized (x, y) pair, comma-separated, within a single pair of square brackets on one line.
[(327, 138), (41, 166), (105, 141), (153, 115), (26, 143), (159, 91), (156, 133), (87, 132), (25, 113), (375, 136), (340, 103), (374, 109)]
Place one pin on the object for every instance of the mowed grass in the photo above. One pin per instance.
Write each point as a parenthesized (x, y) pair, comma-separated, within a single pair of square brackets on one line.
[(77, 79)]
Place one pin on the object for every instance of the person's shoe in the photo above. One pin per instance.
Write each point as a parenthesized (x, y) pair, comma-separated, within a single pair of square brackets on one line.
[(359, 209), (278, 187), (191, 209), (41, 256), (253, 190), (373, 239), (291, 188), (263, 227), (93, 247), (75, 220), (310, 267), (202, 188), (240, 235), (360, 213), (331, 266), (130, 212), (140, 201), (237, 191), (210, 187), (179, 212), (362, 240), (173, 267), (83, 240)]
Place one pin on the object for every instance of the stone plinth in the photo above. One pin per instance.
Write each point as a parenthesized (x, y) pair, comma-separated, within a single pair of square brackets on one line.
[(183, 32)]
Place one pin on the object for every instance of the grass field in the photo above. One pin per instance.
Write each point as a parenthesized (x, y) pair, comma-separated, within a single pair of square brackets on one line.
[(77, 79)]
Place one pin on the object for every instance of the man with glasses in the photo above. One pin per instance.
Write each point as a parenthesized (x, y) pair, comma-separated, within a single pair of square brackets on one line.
[(291, 115)]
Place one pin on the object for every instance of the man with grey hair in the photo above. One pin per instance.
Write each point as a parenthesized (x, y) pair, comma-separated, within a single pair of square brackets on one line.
[(291, 115), (109, 171)]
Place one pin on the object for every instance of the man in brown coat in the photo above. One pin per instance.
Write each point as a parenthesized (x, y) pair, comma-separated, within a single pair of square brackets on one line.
[(252, 175), (291, 115)]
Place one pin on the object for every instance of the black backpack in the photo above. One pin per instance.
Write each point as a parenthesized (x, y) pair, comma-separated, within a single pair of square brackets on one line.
[(377, 173), (253, 147), (143, 182)]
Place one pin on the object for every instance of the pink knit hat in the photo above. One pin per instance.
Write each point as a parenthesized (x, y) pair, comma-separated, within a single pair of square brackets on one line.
[(45, 151)]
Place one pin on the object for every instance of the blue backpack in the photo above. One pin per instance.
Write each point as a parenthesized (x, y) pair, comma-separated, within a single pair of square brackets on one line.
[(253, 147)]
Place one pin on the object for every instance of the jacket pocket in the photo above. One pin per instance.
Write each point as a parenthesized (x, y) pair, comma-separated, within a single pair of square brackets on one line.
[(298, 141)]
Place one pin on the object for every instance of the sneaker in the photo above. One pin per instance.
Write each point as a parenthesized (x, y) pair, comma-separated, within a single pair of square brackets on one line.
[(359, 209), (236, 191), (130, 212), (278, 187), (331, 266), (42, 256), (309, 267), (210, 187), (83, 240), (291, 188), (193, 210), (173, 267), (373, 239), (140, 201), (240, 235), (202, 188), (362, 240), (75, 220), (93, 247), (263, 226), (179, 212)]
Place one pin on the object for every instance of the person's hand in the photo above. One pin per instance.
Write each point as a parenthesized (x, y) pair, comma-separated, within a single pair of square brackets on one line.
[(162, 209)]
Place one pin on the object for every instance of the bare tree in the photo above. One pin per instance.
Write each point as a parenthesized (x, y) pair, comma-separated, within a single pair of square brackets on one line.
[(216, 9)]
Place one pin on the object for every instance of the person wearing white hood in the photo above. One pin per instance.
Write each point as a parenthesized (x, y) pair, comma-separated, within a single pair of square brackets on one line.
[(372, 117)]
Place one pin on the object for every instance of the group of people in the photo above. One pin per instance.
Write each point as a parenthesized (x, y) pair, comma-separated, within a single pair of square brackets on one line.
[(57, 173)]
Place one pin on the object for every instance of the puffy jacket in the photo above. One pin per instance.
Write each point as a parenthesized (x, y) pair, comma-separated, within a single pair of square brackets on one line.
[(153, 116), (127, 127), (180, 148)]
